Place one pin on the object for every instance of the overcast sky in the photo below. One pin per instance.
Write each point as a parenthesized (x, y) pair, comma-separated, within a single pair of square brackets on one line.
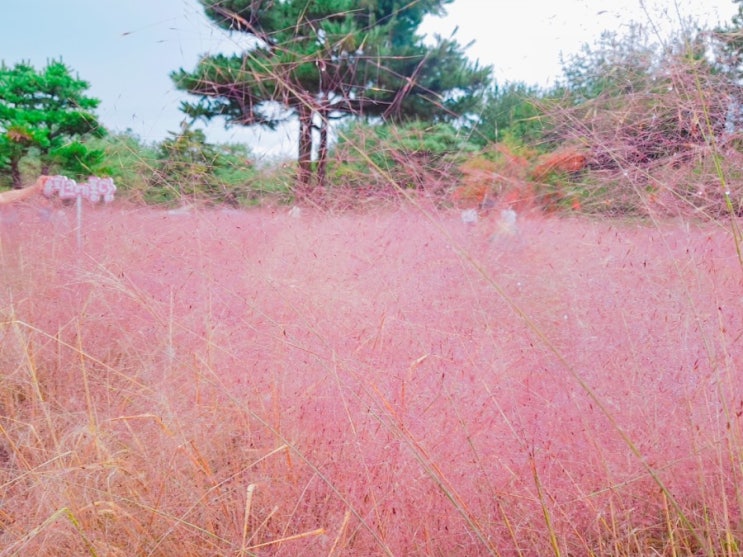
[(126, 49)]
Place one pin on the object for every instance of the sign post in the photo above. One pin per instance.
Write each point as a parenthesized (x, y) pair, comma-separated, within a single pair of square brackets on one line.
[(95, 190)]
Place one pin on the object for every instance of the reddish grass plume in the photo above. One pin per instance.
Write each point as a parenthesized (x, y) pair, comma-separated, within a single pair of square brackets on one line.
[(393, 382)]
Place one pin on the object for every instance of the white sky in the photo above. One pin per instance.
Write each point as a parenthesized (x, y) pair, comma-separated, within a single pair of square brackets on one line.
[(126, 49), (523, 39)]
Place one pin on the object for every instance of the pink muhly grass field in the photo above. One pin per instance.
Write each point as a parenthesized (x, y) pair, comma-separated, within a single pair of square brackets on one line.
[(387, 383)]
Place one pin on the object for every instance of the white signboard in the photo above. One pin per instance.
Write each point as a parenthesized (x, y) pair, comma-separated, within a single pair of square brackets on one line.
[(95, 189)]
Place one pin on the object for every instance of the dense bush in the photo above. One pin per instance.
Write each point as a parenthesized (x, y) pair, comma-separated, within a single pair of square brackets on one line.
[(653, 120), (189, 166), (511, 113), (380, 160)]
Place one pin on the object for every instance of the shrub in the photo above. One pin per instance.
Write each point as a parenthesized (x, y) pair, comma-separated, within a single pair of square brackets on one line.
[(511, 113), (376, 161), (647, 116), (188, 166)]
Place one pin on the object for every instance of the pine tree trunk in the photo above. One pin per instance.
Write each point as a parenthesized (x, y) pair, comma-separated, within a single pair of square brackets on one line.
[(304, 170), (45, 162), (322, 154), (15, 173)]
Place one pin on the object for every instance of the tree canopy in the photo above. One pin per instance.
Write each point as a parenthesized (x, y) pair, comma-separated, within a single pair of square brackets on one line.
[(45, 110), (318, 60)]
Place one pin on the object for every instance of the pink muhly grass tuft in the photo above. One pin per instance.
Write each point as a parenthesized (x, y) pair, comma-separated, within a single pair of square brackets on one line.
[(251, 383)]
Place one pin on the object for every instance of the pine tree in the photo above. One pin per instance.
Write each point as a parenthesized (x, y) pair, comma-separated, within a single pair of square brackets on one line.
[(319, 60), (45, 110)]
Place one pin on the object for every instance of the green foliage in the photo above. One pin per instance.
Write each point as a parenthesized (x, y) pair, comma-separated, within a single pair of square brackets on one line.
[(511, 113), (645, 114), (79, 161), (728, 49), (729, 44), (187, 165), (128, 161), (414, 139), (639, 102), (46, 111), (617, 64), (417, 155), (323, 59)]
